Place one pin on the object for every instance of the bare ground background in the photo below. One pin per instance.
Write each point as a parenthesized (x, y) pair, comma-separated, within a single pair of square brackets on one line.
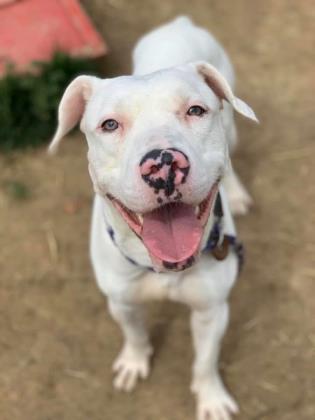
[(57, 341)]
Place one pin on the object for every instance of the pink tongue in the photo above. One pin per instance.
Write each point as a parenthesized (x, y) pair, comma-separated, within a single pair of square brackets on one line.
[(172, 233)]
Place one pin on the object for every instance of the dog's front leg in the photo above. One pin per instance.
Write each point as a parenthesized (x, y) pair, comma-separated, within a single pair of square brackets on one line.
[(213, 400), (133, 360)]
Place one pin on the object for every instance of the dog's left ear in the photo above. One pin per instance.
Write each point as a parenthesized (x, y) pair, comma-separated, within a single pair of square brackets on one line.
[(72, 106), (217, 82)]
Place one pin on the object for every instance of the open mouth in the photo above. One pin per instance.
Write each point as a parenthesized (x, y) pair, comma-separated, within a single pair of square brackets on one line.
[(172, 233)]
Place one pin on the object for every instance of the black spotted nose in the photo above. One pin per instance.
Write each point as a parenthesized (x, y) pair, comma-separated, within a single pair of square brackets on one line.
[(164, 169)]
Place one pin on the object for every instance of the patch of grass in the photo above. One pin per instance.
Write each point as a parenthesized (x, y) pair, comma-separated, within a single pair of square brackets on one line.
[(29, 101), (17, 190)]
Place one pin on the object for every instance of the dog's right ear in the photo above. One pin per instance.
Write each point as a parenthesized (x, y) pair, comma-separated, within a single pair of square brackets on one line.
[(72, 106)]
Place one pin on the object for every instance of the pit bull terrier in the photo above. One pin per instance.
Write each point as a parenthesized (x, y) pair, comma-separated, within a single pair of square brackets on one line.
[(158, 152)]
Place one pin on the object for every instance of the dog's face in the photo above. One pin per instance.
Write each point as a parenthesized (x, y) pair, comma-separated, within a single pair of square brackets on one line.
[(139, 129), (157, 150)]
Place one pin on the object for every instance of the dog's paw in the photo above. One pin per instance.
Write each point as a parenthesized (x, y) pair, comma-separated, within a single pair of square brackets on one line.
[(131, 365), (214, 402)]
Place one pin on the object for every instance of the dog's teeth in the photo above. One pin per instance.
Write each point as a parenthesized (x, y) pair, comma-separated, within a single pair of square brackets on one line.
[(140, 218)]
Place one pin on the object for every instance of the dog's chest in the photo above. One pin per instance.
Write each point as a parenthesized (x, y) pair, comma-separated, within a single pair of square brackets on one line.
[(158, 286), (198, 287)]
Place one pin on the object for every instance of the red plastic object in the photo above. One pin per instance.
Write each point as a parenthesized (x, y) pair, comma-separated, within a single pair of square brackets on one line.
[(33, 29)]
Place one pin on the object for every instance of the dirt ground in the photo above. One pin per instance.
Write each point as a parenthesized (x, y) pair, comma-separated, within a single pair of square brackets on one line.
[(57, 340)]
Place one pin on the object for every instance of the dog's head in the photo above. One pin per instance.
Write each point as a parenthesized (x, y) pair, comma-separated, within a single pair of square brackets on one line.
[(157, 149)]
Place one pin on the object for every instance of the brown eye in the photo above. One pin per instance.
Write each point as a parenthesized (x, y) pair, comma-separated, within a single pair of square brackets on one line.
[(196, 110), (109, 125)]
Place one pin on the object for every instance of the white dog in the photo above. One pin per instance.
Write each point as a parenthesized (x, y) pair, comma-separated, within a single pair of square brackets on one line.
[(162, 228)]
